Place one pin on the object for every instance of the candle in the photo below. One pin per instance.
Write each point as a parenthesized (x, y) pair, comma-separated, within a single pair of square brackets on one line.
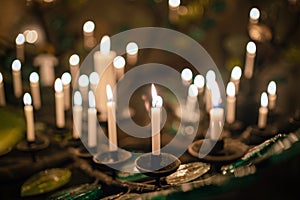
[(132, 53), (94, 80), (250, 57), (263, 111), (83, 83), (119, 64), (28, 110), (111, 114), (235, 77), (92, 121), (2, 93), (173, 10), (31, 36), (20, 39), (88, 34), (66, 80), (17, 80), (35, 90), (210, 77), (186, 76), (77, 115), (272, 94), (59, 103), (155, 120), (199, 82), (254, 15), (74, 67), (47, 62), (191, 99), (231, 103)]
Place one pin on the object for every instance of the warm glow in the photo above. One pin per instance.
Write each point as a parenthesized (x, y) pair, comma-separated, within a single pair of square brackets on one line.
[(16, 65), (236, 73), (210, 76), (109, 93), (34, 77), (89, 26), (254, 14), (27, 99), (77, 99), (199, 81), (74, 59), (156, 100), (31, 36), (119, 62), (66, 78), (215, 93), (230, 89), (132, 48), (174, 3), (272, 88), (193, 90), (105, 45), (83, 80), (251, 48), (186, 74), (20, 39), (1, 77), (264, 99), (92, 102), (94, 78), (58, 87)]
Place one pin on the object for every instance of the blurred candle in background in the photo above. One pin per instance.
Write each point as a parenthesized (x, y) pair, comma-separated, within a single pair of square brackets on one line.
[(263, 111), (20, 40), (59, 103), (17, 79), (132, 53), (83, 83), (199, 82), (35, 90), (74, 67), (186, 76), (2, 91), (173, 10), (250, 58), (272, 94), (111, 115), (119, 64), (231, 103), (89, 40), (94, 80), (28, 110), (235, 77), (92, 121), (66, 80), (254, 15), (77, 115), (210, 78)]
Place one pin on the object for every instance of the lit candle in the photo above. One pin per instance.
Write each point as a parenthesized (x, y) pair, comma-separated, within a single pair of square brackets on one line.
[(59, 103), (83, 83), (88, 34), (186, 76), (272, 94), (231, 103), (250, 58), (17, 80), (236, 74), (111, 114), (20, 39), (66, 80), (119, 64), (173, 10), (254, 15), (2, 93), (132, 53), (77, 115), (35, 90), (74, 67), (191, 99), (28, 110), (94, 80), (199, 82), (155, 120), (263, 111), (47, 62), (210, 77), (92, 121)]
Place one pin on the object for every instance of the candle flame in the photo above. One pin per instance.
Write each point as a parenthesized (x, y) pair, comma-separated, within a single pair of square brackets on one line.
[(109, 93), (210, 76), (254, 14), (174, 3), (215, 93), (34, 77), (88, 26), (264, 99), (74, 59), (92, 102), (119, 62), (230, 89), (199, 81), (27, 99), (1, 77), (251, 47), (58, 86), (193, 90), (20, 39), (186, 74), (83, 80), (132, 48), (94, 78), (66, 78), (105, 45), (16, 65), (272, 88), (77, 99), (156, 100), (236, 73)]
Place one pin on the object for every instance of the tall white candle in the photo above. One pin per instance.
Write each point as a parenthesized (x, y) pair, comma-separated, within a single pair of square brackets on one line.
[(119, 64), (28, 110), (20, 40), (47, 62), (83, 83), (173, 10), (35, 90), (74, 61), (132, 53), (263, 111), (17, 80), (231, 103), (92, 121), (66, 80), (88, 35), (111, 114), (77, 115), (199, 81), (155, 120), (210, 78), (59, 103), (235, 77), (94, 80), (250, 58), (254, 15), (186, 76), (2, 92), (191, 99), (272, 94)]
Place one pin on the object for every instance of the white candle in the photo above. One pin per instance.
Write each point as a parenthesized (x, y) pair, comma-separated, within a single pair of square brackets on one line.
[(155, 121), (173, 10), (88, 34), (132, 53), (94, 80), (111, 114), (47, 62), (17, 80), (119, 64), (235, 77), (263, 111), (250, 58), (210, 77), (186, 76), (74, 67), (77, 115), (2, 93), (28, 110), (92, 121), (272, 94), (20, 39), (83, 83), (254, 15), (199, 82), (59, 103), (231, 103), (191, 99), (66, 80), (35, 90)]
